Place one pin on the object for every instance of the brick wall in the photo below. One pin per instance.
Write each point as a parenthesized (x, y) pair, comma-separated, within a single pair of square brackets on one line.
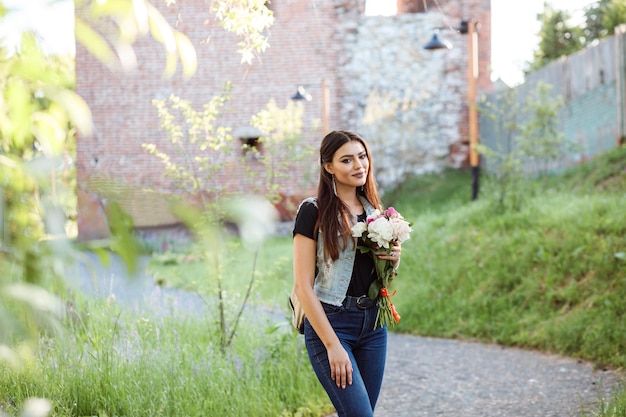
[(309, 43), (303, 51)]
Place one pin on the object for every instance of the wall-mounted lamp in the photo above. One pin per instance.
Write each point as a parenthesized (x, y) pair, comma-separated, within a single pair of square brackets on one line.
[(303, 95), (467, 27), (436, 43), (463, 29)]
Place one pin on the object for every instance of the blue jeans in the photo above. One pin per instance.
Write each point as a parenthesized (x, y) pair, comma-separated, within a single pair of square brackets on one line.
[(367, 349)]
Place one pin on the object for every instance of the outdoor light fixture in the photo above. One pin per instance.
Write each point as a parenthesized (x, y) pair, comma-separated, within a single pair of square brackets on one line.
[(436, 43), (467, 27), (303, 95)]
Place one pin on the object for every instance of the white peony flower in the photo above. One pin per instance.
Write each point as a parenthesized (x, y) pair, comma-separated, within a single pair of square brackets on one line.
[(381, 232), (401, 229), (358, 229)]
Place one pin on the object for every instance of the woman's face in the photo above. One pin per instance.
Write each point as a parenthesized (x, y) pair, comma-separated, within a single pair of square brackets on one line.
[(349, 165)]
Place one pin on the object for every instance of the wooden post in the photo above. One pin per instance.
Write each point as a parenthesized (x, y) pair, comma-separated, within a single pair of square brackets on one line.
[(325, 104), (472, 74)]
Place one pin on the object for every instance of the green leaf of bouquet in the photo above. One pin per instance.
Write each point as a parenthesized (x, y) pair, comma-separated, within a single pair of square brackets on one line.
[(363, 249), (374, 290)]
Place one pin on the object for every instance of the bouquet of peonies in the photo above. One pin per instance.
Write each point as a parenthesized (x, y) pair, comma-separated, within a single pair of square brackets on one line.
[(379, 232)]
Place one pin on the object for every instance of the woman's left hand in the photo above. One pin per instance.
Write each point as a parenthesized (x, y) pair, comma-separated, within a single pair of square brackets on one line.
[(394, 254)]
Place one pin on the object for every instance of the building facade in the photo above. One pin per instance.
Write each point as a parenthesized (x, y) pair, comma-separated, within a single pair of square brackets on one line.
[(365, 73)]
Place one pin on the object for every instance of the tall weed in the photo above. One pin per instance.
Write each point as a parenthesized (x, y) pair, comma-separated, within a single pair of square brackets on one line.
[(117, 363)]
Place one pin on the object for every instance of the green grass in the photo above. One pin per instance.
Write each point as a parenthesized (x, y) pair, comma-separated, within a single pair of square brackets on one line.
[(113, 363), (545, 277), (269, 265), (549, 275)]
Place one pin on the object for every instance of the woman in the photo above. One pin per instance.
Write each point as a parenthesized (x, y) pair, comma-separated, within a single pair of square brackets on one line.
[(332, 278)]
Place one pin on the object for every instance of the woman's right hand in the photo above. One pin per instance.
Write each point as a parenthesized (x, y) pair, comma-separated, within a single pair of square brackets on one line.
[(340, 365)]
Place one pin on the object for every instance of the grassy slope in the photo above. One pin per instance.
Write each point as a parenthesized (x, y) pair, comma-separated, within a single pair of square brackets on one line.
[(551, 275)]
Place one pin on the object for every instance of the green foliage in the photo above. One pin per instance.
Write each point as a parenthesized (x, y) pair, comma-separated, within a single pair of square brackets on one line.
[(541, 139), (39, 116), (247, 19), (282, 149), (603, 174), (199, 169), (594, 16), (114, 363), (601, 18), (504, 159), (37, 113), (197, 166), (557, 37), (203, 155), (273, 274), (433, 191), (611, 407), (614, 15), (528, 140), (548, 276), (108, 30)]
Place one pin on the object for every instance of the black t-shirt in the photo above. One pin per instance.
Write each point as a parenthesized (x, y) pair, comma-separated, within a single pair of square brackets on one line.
[(363, 271)]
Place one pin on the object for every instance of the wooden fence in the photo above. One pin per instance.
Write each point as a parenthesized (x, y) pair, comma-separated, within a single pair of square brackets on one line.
[(592, 120)]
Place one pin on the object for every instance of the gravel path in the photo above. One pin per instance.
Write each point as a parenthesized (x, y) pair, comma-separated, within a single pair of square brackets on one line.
[(425, 376), (438, 377)]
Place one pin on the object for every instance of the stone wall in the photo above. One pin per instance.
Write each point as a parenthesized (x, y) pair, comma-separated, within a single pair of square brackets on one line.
[(407, 101), (411, 103)]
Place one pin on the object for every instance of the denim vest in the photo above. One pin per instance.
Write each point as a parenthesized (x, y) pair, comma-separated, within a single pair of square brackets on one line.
[(333, 277)]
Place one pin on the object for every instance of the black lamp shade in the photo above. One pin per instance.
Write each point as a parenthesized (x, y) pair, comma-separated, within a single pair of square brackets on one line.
[(301, 94), (436, 43)]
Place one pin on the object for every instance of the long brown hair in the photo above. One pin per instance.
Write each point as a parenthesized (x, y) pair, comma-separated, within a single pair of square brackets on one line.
[(333, 219)]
